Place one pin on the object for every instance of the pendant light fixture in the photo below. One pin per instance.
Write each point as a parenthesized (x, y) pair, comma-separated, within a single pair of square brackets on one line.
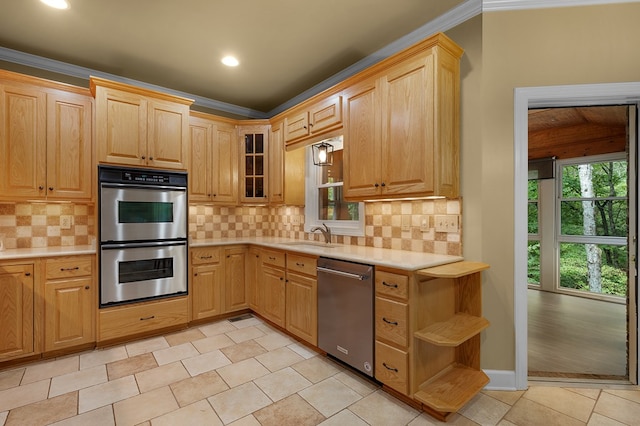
[(322, 154)]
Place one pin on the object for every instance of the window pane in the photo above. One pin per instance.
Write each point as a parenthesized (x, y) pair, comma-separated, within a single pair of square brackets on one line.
[(259, 187), (604, 218), (607, 179), (333, 173), (533, 263), (331, 206), (533, 218), (595, 268), (248, 187), (248, 144), (248, 165), (533, 190), (259, 165), (259, 143)]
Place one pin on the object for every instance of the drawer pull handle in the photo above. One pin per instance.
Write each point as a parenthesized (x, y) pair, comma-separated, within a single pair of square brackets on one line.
[(206, 257), (389, 322), (147, 318), (272, 258), (386, 284), (300, 264), (70, 269), (395, 370)]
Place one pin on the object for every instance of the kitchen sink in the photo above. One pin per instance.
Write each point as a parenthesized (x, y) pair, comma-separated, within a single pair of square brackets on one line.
[(314, 244)]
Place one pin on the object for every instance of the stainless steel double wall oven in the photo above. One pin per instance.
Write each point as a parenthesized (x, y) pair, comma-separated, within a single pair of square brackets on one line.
[(143, 234)]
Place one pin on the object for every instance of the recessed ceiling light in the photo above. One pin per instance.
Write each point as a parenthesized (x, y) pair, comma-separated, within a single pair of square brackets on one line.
[(230, 61), (58, 4)]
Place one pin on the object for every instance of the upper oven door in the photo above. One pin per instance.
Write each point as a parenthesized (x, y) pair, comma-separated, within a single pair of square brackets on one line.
[(140, 213)]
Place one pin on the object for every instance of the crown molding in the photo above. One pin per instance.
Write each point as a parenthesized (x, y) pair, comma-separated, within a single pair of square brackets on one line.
[(502, 5)]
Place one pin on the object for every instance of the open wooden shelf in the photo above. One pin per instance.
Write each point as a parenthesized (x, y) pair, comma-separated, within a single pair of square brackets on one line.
[(453, 332), (454, 270), (450, 390)]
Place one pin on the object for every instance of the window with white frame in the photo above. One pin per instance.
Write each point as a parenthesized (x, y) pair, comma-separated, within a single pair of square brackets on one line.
[(324, 202)]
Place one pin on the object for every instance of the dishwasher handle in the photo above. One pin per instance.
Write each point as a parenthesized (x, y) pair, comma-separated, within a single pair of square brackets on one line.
[(342, 273)]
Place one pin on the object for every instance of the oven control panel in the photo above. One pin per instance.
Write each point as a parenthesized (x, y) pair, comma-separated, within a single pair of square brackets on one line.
[(125, 175)]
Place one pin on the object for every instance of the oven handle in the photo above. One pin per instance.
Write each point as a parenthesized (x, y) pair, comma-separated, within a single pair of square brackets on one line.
[(113, 246), (134, 186)]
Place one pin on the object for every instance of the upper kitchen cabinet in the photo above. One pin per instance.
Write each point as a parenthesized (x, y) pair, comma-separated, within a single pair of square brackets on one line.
[(139, 127), (46, 148), (314, 118), (254, 157), (402, 125), (213, 165), (276, 164)]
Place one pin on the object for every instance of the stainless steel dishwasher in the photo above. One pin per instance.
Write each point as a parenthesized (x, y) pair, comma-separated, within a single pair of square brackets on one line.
[(345, 312)]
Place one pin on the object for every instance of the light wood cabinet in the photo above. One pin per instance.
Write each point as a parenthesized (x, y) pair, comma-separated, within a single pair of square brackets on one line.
[(70, 302), (236, 285), (302, 297), (46, 148), (276, 165), (254, 278), (17, 337), (254, 163), (402, 125), (273, 283), (213, 165), (138, 127), (313, 119), (206, 283)]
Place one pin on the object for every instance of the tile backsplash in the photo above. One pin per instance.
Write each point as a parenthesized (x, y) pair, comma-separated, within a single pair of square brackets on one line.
[(405, 225)]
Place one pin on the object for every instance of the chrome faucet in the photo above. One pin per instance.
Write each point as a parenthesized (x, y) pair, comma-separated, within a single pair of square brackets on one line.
[(326, 232)]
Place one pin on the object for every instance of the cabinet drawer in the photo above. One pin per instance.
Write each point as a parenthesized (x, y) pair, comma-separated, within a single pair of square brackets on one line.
[(69, 267), (392, 321), (392, 367), (302, 264), (274, 258), (201, 256), (393, 285), (135, 319)]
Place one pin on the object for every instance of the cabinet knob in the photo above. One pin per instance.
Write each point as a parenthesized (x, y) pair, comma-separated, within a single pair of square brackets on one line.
[(195, 275), (51, 188), (150, 158), (144, 157), (376, 184), (383, 184), (87, 287), (310, 124), (41, 187), (27, 274), (300, 264), (215, 195)]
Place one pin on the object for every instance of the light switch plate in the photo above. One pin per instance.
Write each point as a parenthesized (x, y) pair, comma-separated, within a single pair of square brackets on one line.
[(65, 222), (447, 223)]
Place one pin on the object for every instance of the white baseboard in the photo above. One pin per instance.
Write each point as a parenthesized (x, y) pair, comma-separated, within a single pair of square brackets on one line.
[(503, 380)]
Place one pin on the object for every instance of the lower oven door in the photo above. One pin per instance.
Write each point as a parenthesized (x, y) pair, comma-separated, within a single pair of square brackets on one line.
[(133, 272)]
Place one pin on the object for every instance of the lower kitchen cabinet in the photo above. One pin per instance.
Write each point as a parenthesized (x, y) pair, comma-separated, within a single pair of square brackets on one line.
[(17, 337), (273, 283), (302, 297), (206, 283), (70, 302), (254, 279), (236, 286)]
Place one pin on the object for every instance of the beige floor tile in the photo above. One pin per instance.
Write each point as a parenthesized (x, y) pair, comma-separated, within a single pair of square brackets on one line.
[(359, 384), (302, 350), (107, 393), (317, 368), (24, 395), (238, 402), (215, 342), (161, 376), (186, 336), (273, 341), (77, 380), (242, 351), (600, 420), (330, 396), (205, 362), (129, 366), (216, 328), (242, 372), (175, 353), (564, 401), (45, 412), (246, 421), (102, 356), (589, 393), (617, 408), (292, 410), (145, 346), (530, 413), (100, 417), (282, 383), (279, 358), (485, 410), (381, 409), (199, 387), (342, 418), (244, 334), (11, 378), (508, 397), (249, 322), (199, 413), (629, 395), (49, 369), (4, 415), (144, 407), (506, 423)]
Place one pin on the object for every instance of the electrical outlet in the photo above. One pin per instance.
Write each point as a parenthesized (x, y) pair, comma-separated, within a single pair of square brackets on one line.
[(295, 219), (424, 223), (406, 222), (447, 223), (65, 222)]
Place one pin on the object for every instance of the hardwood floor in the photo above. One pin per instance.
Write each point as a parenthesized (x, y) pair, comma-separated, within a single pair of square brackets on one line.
[(574, 337)]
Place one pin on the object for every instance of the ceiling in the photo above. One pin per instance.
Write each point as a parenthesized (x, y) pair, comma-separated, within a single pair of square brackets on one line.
[(285, 47)]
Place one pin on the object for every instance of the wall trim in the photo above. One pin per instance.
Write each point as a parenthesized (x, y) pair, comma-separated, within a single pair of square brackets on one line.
[(501, 380), (503, 5)]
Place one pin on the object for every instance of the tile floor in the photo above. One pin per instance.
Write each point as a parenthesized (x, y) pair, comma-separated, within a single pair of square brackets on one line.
[(246, 373)]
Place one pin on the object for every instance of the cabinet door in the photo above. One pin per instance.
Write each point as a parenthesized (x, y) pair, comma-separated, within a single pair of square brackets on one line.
[(121, 127), (362, 167), (325, 115), (200, 170), (22, 141), (407, 122), (16, 311), (69, 146), (168, 135), (296, 126), (206, 289), (254, 164), (69, 313), (273, 307), (302, 307), (224, 183), (254, 278), (236, 294), (276, 165)]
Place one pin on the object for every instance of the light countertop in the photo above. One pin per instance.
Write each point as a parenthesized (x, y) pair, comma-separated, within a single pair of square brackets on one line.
[(25, 253)]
